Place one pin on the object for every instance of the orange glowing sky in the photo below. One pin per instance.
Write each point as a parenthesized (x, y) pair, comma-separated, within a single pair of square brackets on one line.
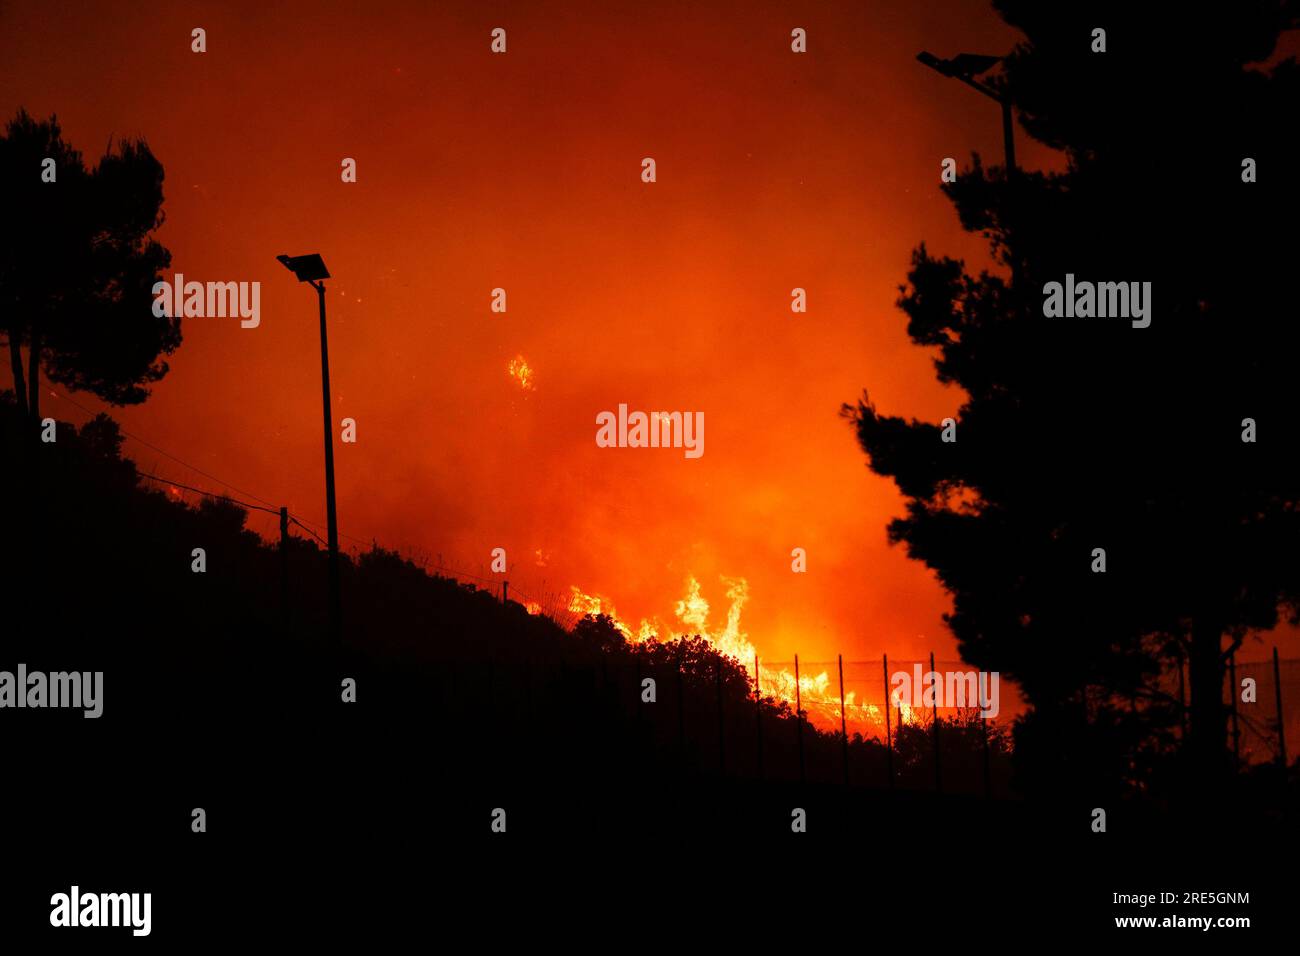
[(522, 171)]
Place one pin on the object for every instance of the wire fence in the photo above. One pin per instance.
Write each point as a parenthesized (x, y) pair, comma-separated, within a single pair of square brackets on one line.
[(1253, 726)]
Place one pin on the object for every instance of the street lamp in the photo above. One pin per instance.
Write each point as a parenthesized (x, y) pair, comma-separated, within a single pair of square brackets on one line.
[(311, 269), (965, 67)]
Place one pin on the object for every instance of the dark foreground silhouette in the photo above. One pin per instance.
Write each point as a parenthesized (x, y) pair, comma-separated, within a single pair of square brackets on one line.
[(1114, 500), (216, 696)]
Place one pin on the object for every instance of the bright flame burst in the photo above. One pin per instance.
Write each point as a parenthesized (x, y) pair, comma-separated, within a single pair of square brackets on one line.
[(818, 696), (593, 605), (522, 372), (693, 611)]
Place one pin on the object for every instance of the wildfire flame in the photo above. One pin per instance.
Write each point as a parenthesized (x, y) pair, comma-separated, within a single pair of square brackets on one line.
[(817, 695), (693, 611), (594, 605), (521, 372)]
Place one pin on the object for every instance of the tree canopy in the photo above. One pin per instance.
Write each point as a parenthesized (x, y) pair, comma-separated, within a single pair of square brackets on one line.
[(78, 260), (1076, 434)]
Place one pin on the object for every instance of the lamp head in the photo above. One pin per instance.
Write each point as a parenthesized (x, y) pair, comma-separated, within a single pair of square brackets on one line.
[(973, 64), (961, 66), (308, 268)]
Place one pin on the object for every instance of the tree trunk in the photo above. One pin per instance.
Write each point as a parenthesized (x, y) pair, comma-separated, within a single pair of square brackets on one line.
[(16, 365), (1208, 734), (34, 373)]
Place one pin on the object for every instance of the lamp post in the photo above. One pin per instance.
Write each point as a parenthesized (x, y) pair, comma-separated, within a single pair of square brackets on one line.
[(965, 67), (311, 269)]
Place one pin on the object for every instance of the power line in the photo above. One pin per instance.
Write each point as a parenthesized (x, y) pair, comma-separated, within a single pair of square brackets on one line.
[(267, 506), (168, 454), (307, 529), (350, 537), (221, 481), (200, 491)]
